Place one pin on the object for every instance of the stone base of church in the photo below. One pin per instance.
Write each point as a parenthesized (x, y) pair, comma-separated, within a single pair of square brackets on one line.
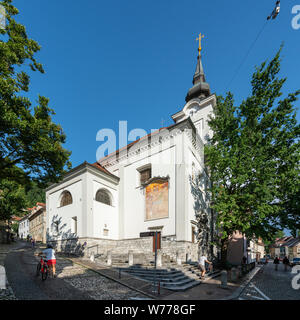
[(141, 248)]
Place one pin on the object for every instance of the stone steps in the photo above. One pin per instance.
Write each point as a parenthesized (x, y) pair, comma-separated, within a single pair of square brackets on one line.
[(164, 277), (171, 276), (174, 280)]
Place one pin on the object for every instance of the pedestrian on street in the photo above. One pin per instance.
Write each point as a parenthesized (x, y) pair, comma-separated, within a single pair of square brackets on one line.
[(33, 243), (286, 263), (276, 262), (202, 261)]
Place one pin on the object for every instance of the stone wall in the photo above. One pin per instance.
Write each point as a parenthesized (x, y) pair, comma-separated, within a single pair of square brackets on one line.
[(140, 247)]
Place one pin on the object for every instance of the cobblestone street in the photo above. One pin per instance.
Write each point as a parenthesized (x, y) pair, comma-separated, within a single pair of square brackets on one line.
[(73, 282), (96, 286), (269, 284)]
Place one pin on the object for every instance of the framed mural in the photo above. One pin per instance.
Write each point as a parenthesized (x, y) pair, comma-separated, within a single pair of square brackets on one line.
[(157, 199)]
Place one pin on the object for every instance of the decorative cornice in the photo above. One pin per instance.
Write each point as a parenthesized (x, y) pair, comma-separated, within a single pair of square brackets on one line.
[(157, 178), (156, 140)]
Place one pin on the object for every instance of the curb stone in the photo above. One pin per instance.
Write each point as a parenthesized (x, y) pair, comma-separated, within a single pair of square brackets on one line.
[(244, 284)]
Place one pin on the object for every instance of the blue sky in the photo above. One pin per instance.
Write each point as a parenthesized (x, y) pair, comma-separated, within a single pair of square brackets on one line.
[(134, 60)]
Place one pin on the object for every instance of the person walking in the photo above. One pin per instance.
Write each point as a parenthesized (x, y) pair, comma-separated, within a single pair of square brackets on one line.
[(202, 261), (286, 263), (276, 262), (33, 243)]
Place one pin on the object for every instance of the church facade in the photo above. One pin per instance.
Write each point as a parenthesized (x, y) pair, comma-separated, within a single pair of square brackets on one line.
[(157, 183)]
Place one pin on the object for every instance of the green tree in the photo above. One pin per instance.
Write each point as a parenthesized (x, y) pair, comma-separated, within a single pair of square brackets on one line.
[(30, 142), (253, 159), (35, 194), (12, 202), (12, 199)]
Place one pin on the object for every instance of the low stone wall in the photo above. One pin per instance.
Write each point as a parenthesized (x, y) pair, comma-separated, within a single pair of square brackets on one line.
[(140, 247)]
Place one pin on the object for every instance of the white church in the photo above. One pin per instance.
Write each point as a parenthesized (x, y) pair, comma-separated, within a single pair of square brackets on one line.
[(157, 183)]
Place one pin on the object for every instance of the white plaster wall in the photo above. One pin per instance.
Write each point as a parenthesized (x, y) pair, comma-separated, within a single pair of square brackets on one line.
[(54, 211), (203, 113), (103, 214), (199, 111), (162, 160)]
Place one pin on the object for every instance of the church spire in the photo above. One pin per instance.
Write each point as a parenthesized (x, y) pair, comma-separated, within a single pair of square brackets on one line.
[(200, 88)]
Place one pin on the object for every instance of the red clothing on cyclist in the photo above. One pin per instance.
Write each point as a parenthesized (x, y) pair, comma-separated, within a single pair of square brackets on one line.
[(50, 256)]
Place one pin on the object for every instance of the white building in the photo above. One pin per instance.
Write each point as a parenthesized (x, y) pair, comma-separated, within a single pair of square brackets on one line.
[(23, 230), (157, 183)]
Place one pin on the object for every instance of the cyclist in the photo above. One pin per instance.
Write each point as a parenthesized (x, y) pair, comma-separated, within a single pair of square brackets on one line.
[(51, 259)]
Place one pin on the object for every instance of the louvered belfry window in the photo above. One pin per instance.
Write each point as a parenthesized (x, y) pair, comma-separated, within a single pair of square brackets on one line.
[(145, 175), (66, 199), (104, 197)]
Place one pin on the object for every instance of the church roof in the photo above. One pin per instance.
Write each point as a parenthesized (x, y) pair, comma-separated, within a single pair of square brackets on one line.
[(85, 164), (200, 87), (101, 168)]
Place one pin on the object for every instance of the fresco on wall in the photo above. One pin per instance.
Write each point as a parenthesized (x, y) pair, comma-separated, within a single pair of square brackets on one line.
[(157, 200)]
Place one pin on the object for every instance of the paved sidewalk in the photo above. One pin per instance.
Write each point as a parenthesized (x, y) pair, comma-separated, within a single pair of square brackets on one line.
[(207, 290)]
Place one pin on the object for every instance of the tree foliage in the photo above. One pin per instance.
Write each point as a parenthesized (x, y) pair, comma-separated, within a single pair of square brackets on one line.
[(13, 200), (34, 194), (253, 158), (29, 139)]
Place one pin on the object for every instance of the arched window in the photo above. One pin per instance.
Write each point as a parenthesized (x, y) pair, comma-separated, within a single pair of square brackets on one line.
[(66, 199), (103, 196)]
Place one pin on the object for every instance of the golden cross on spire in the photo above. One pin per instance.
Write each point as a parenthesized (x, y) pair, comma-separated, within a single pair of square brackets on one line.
[(200, 38)]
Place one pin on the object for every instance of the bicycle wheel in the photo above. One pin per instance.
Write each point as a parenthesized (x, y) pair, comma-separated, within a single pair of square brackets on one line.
[(38, 269), (45, 273)]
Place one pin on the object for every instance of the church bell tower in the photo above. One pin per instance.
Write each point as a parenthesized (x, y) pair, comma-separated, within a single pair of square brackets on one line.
[(199, 100)]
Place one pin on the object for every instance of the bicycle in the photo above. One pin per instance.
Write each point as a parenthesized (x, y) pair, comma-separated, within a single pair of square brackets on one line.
[(42, 268)]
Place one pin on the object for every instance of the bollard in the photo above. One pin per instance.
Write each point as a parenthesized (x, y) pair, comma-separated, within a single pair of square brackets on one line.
[(130, 258), (240, 271), (92, 257), (109, 260), (188, 257), (178, 258), (159, 259), (119, 273), (234, 275), (224, 279), (2, 278)]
